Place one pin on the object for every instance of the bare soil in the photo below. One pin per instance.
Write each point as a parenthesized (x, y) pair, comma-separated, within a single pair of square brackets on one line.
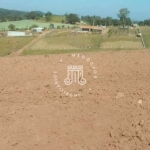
[(112, 113)]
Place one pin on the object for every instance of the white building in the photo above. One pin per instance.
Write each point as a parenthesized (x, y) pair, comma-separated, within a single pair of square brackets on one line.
[(39, 29), (15, 33)]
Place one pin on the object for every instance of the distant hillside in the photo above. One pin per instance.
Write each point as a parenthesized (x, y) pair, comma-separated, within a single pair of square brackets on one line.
[(11, 15), (15, 15)]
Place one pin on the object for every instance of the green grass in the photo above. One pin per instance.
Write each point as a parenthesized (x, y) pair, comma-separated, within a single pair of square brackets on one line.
[(43, 52), (57, 18), (59, 42), (27, 23), (48, 52), (74, 40), (115, 31), (54, 18), (146, 35), (66, 40), (119, 38), (11, 44)]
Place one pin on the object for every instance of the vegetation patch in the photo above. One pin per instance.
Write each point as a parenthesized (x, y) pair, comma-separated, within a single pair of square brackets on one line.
[(11, 44), (146, 35)]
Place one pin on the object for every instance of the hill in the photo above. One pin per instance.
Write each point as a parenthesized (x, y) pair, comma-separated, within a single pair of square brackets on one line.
[(11, 15)]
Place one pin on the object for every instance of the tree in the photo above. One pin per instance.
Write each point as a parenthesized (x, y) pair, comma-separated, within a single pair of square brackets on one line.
[(63, 21), (123, 14), (33, 15), (108, 21), (128, 21), (72, 18), (51, 26), (48, 16), (11, 15), (116, 22), (11, 27), (33, 26)]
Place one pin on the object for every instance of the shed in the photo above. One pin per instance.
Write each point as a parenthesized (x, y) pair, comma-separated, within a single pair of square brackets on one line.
[(92, 28), (39, 29), (15, 33)]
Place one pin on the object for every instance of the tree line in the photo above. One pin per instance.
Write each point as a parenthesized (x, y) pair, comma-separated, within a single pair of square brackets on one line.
[(108, 21), (123, 18)]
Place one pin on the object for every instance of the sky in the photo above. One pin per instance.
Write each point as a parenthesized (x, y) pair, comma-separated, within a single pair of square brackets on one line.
[(139, 9)]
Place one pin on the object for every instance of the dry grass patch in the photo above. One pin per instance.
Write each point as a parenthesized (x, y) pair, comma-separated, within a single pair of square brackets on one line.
[(11, 44)]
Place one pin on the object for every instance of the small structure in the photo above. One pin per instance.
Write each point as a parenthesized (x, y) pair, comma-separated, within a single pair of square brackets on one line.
[(134, 25), (38, 29), (139, 35), (15, 33), (92, 29), (103, 26)]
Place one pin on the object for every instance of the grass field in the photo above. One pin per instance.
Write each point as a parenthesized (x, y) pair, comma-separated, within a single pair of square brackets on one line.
[(27, 23), (11, 44), (55, 18), (146, 35), (66, 42), (121, 39)]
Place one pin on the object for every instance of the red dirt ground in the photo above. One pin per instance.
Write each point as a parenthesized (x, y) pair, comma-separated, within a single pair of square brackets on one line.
[(112, 113)]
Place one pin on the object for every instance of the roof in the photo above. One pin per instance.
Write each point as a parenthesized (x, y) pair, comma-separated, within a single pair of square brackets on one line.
[(92, 27), (38, 28)]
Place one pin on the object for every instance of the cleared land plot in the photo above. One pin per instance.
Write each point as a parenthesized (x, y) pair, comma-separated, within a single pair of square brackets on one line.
[(146, 35), (67, 41), (121, 39), (27, 23), (62, 41), (11, 44), (113, 115), (122, 44)]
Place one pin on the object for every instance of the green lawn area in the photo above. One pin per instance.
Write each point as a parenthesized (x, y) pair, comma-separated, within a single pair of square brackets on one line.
[(27, 23), (10, 44)]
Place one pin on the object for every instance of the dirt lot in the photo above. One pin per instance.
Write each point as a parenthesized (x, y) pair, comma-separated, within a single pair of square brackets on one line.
[(112, 113)]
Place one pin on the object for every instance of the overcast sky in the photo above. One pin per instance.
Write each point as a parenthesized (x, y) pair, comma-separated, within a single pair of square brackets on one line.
[(139, 9)]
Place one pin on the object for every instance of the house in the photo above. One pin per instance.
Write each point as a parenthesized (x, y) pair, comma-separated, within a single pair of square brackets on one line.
[(92, 29), (38, 29), (15, 33)]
